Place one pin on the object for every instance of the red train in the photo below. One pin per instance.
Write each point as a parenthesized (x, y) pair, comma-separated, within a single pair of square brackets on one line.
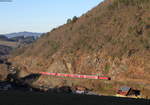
[(76, 76)]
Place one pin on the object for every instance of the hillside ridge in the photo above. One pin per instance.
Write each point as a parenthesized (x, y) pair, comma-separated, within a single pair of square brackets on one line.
[(112, 39)]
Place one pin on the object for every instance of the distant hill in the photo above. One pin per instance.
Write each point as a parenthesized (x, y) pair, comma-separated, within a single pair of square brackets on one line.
[(25, 34), (14, 40)]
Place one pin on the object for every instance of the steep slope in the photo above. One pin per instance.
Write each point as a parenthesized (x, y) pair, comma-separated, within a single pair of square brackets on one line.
[(113, 39)]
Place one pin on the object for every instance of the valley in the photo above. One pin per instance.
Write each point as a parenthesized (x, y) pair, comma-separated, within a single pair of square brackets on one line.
[(111, 40), (12, 41)]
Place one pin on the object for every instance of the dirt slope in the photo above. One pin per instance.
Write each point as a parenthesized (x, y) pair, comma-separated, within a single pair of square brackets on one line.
[(113, 39)]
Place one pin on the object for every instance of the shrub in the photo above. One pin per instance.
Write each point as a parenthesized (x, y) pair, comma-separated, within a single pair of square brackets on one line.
[(69, 21), (106, 68), (73, 20)]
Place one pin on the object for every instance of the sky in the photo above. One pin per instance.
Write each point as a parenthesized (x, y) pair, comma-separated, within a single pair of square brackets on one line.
[(40, 15)]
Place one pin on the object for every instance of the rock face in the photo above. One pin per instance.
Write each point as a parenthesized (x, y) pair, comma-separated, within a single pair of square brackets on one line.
[(113, 39)]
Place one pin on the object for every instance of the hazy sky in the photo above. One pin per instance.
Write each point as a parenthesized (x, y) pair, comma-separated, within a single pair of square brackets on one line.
[(40, 15)]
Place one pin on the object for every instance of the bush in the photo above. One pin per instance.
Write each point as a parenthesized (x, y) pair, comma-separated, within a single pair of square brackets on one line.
[(73, 20), (106, 68), (69, 21)]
